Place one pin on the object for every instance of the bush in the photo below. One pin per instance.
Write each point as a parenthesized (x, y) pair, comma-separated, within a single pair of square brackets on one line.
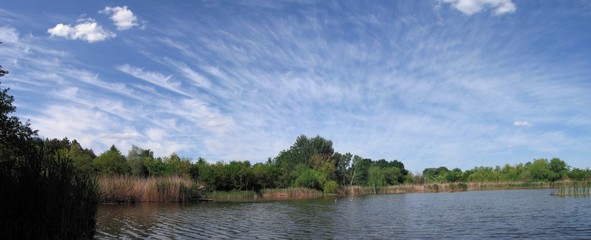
[(309, 178), (330, 187)]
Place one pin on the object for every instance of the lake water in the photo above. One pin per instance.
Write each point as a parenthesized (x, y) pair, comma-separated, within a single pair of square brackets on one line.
[(532, 214)]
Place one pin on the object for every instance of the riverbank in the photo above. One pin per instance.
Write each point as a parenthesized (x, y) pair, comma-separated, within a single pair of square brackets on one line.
[(355, 190), (125, 189)]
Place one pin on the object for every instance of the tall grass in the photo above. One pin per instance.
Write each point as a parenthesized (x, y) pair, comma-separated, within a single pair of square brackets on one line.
[(574, 189), (126, 189), (45, 198)]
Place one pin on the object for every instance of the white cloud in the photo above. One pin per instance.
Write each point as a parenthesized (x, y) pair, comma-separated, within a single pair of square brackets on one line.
[(87, 30), (522, 124), (470, 7), (122, 17)]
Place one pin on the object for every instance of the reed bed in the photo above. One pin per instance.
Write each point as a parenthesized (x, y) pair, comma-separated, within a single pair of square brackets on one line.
[(445, 187), (512, 185), (573, 191), (126, 189), (291, 193), (265, 195)]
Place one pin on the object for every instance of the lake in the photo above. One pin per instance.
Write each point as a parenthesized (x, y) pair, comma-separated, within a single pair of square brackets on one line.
[(531, 214)]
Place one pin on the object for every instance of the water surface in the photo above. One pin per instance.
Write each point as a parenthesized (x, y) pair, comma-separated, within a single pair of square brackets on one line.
[(531, 214)]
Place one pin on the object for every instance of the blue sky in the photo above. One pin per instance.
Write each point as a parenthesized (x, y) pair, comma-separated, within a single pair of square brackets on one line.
[(456, 83)]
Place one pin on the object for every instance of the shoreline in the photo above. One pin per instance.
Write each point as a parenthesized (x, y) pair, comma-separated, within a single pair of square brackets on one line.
[(356, 190), (125, 190)]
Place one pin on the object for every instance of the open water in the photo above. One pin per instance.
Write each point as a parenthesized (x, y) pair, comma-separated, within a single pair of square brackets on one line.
[(529, 214)]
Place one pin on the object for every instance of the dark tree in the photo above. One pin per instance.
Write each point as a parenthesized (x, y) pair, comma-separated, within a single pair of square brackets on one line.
[(42, 196)]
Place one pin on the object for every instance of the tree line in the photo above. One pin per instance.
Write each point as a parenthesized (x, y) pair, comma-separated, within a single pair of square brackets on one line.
[(309, 162), (543, 170)]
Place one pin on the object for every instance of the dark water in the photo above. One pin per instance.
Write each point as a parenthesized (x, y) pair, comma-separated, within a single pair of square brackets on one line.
[(532, 214)]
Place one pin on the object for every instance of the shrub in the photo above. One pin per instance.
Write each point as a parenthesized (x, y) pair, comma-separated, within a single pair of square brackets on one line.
[(330, 187)]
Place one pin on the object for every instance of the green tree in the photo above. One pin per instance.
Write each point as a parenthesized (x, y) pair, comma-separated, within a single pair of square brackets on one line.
[(541, 170), (136, 160), (309, 178), (155, 166), (312, 152), (264, 175), (111, 162), (393, 175), (342, 164), (455, 175), (375, 178), (81, 158), (360, 170), (559, 167), (435, 174)]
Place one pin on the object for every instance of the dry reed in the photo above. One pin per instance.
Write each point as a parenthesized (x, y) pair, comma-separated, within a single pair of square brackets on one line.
[(126, 189)]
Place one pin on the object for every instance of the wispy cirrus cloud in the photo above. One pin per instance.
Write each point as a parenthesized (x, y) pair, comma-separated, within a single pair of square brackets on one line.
[(386, 80), (8, 35), (198, 79), (156, 78)]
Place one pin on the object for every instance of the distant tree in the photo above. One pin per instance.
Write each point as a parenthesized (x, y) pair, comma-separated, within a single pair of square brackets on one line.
[(312, 152), (81, 157), (137, 159), (455, 175), (174, 165), (111, 162), (375, 178), (392, 175), (559, 167), (541, 170), (342, 164), (309, 178), (435, 174), (361, 170)]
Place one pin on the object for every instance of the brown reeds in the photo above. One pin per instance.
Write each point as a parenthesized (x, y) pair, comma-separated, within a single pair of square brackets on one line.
[(126, 189), (294, 193)]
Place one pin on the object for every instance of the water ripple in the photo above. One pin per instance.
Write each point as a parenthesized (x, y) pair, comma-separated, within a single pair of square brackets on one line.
[(532, 214)]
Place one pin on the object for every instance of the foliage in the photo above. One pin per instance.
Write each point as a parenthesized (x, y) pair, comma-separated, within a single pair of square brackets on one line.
[(537, 170), (138, 159), (375, 177), (112, 162), (43, 195), (330, 187), (309, 178)]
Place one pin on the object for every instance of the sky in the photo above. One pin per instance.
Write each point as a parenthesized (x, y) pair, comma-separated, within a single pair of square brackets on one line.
[(455, 83)]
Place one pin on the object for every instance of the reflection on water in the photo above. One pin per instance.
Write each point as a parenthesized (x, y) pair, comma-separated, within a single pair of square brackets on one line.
[(485, 214)]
